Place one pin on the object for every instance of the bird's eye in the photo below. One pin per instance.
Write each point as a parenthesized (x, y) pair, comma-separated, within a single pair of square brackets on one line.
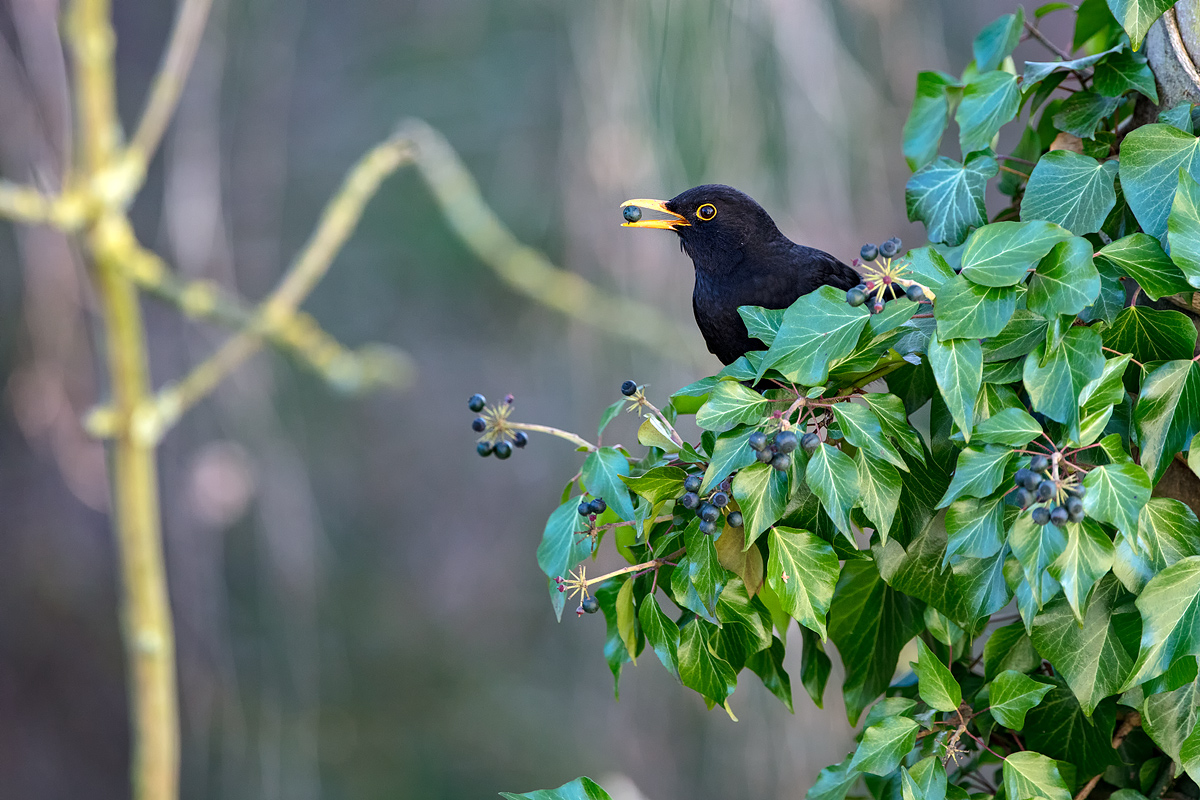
[(706, 212)]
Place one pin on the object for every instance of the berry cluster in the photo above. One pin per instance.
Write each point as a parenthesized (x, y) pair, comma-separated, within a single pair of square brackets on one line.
[(709, 510), (593, 508), (578, 584), (883, 279), (778, 451), (496, 439), (1054, 499)]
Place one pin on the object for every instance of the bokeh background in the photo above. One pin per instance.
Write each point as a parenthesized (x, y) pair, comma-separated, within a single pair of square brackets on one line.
[(359, 612)]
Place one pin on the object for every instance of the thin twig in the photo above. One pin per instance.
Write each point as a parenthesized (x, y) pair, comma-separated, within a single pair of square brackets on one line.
[(651, 564), (1132, 720), (1041, 37)]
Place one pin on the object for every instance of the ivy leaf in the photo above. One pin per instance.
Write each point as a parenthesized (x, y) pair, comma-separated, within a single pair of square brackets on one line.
[(1116, 494), (1009, 647), (1071, 190), (730, 452), (615, 651), (1111, 299), (1036, 71), (1020, 336), (974, 528), (927, 267), (1183, 228), (609, 415), (1035, 547), (768, 666), (958, 369), (1002, 253), (1151, 334), (1142, 258), (818, 328), (1170, 608), (1029, 775), (578, 789), (1011, 426), (762, 323), (802, 570), (833, 478), (928, 118), (893, 419), (1136, 16), (949, 197), (703, 568), (815, 666), (702, 669), (1055, 379), (761, 492), (1082, 113), (883, 745), (966, 310), (925, 781), (661, 633), (989, 101), (1169, 531), (1096, 657), (602, 473), (1170, 718), (659, 484), (934, 682), (627, 620), (862, 429), (1059, 729), (1066, 280), (562, 547), (870, 623), (1167, 415), (1151, 157), (978, 473), (730, 404), (833, 782), (1011, 695), (1124, 71), (879, 484), (997, 41), (1087, 558)]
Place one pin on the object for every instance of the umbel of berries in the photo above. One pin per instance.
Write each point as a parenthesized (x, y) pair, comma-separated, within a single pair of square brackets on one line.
[(777, 451), (497, 435)]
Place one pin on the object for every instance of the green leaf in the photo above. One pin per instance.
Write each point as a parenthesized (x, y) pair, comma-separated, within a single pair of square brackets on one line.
[(879, 484), (975, 528), (703, 568), (1059, 729), (997, 41), (833, 478), (602, 473), (894, 422), (1002, 253), (702, 669), (1096, 657), (925, 781), (989, 101), (818, 328), (1011, 426), (1029, 775), (729, 404), (978, 473), (731, 452), (1183, 228), (1055, 379), (1169, 531), (1093, 18), (627, 620), (1082, 113), (1066, 280), (1142, 258), (1011, 696), (1088, 556), (661, 633), (761, 492), (1170, 608), (1035, 546), (1116, 494), (609, 415), (935, 683), (802, 570), (815, 666), (762, 323), (958, 369), (928, 118), (1111, 299), (862, 429), (1020, 336), (768, 666), (1167, 415), (1170, 718), (883, 745), (966, 310), (689, 399), (1009, 647), (1125, 71), (1151, 157), (870, 623), (1136, 16), (660, 483), (1038, 70), (615, 651), (949, 197), (578, 789), (1152, 335), (927, 267), (1070, 190), (1179, 115), (562, 547), (833, 782)]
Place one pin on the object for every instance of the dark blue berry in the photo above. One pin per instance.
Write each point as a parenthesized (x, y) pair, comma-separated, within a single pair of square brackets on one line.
[(598, 506), (1041, 515), (590, 605), (502, 450), (476, 403), (479, 424), (915, 293), (628, 387), (889, 248), (708, 512), (735, 519), (810, 442), (632, 213), (520, 439), (1059, 516), (1039, 463), (690, 500), (484, 448), (708, 528), (1046, 490), (1075, 509), (1023, 497), (757, 440), (719, 499), (1026, 478), (692, 483), (781, 462), (1077, 490), (786, 441), (765, 455), (869, 252), (585, 508)]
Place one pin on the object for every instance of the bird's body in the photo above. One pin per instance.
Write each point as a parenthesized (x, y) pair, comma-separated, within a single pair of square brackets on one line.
[(741, 259)]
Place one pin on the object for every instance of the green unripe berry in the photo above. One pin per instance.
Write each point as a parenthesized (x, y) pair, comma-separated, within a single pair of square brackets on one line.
[(856, 297)]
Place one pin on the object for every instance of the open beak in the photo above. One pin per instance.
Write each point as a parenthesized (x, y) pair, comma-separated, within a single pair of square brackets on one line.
[(676, 221)]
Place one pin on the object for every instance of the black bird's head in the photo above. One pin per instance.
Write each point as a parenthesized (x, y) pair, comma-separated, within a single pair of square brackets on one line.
[(716, 224)]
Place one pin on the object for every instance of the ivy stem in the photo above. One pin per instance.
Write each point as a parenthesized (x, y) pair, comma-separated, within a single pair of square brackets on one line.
[(1018, 160), (1118, 352), (653, 563), (1041, 37), (894, 363), (579, 441), (642, 401), (1132, 720)]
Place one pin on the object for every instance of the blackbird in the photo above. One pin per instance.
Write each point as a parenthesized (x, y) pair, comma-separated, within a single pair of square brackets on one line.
[(741, 259)]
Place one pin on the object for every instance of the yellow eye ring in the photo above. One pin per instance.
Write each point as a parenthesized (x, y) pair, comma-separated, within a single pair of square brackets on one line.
[(706, 212)]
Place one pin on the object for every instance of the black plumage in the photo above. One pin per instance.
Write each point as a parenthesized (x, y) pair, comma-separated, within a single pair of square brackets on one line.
[(740, 258)]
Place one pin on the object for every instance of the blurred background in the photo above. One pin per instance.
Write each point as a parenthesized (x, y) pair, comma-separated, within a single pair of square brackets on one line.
[(359, 612)]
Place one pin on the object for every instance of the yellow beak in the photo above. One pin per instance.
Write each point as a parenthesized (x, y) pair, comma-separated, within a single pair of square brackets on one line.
[(677, 221)]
